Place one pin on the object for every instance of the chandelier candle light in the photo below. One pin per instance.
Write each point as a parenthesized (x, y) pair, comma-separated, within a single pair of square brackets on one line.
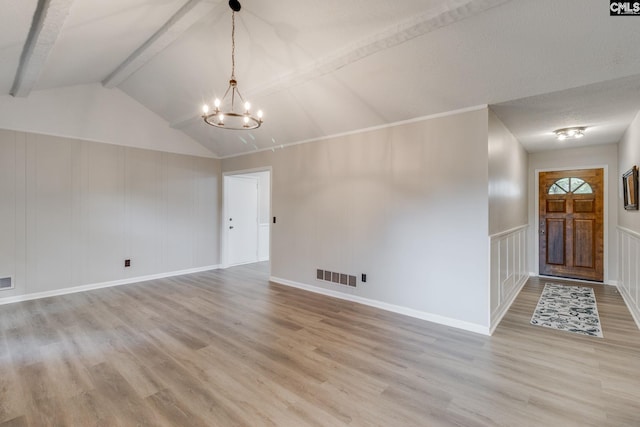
[(231, 119)]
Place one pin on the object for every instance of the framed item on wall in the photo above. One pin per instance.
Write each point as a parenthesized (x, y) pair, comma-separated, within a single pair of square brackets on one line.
[(630, 189)]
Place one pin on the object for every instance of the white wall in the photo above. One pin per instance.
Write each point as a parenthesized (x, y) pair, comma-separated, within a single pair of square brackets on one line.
[(508, 168), (93, 113), (629, 221), (574, 158), (73, 210), (628, 156), (407, 205), (508, 163)]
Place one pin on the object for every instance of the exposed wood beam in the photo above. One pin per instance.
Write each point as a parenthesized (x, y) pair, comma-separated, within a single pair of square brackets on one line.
[(452, 12), (46, 25), (184, 18)]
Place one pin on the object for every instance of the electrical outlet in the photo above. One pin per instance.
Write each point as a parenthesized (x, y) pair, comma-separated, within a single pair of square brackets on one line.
[(364, 278), (127, 263)]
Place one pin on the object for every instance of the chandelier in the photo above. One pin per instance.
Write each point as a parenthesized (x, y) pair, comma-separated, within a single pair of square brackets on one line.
[(232, 118)]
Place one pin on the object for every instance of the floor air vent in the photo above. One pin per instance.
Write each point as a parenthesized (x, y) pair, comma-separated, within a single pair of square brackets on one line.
[(6, 283), (338, 278)]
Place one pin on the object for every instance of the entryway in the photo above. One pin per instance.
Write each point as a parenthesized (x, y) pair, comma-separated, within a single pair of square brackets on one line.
[(571, 224), (247, 201)]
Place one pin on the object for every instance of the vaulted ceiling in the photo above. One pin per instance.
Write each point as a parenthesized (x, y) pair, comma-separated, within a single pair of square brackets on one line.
[(329, 67)]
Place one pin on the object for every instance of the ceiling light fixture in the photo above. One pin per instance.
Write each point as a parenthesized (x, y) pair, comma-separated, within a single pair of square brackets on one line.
[(570, 133), (232, 119)]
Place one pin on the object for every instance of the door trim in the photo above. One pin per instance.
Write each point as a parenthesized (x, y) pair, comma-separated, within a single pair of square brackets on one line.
[(536, 219), (223, 230)]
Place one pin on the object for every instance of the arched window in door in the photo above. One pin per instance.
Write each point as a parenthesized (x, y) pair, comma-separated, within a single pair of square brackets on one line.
[(570, 186)]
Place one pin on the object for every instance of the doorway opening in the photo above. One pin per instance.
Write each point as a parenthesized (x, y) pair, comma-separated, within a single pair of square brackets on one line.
[(571, 224), (247, 209)]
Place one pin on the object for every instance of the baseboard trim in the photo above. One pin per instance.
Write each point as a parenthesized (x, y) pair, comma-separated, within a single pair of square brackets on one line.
[(430, 317), (588, 282), (93, 286), (635, 313), (225, 266), (497, 318)]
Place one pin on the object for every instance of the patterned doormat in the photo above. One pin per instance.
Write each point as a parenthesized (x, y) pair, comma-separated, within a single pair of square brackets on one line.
[(568, 308)]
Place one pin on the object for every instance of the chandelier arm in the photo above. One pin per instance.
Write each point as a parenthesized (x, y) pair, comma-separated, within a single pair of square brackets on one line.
[(226, 93), (239, 95), (233, 98)]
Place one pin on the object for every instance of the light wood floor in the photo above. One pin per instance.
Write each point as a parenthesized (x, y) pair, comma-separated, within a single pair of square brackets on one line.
[(226, 348)]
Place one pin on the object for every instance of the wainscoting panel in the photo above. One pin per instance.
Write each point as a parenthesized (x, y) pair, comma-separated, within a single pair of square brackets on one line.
[(508, 270), (628, 273)]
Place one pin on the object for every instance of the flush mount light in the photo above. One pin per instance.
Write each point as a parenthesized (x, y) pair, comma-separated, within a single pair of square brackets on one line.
[(570, 133), (231, 118)]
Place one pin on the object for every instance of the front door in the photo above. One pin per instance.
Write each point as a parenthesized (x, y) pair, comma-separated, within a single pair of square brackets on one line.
[(571, 219)]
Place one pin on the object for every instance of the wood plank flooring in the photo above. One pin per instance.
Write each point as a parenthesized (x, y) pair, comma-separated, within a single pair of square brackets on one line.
[(227, 348)]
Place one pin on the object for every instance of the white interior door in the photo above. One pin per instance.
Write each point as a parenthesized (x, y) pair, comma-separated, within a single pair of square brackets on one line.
[(242, 219)]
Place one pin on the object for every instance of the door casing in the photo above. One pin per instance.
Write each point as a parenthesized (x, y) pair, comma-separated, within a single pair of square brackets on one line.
[(225, 215), (579, 215), (536, 220)]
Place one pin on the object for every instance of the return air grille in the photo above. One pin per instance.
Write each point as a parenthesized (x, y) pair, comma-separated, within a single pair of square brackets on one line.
[(337, 278), (6, 283)]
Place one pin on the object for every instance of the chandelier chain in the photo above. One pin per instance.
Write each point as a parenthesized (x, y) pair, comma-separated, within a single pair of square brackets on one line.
[(233, 45)]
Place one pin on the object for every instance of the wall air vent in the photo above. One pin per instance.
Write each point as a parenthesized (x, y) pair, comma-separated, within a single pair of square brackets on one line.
[(6, 283), (337, 278), (352, 281)]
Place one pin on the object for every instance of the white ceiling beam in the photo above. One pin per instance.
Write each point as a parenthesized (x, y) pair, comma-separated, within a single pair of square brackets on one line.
[(450, 13), (46, 25), (184, 18)]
